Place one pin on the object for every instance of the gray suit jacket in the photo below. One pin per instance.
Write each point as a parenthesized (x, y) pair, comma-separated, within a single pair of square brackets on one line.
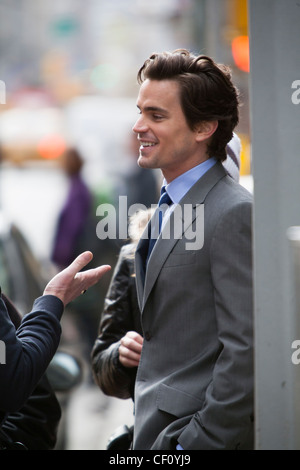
[(194, 383)]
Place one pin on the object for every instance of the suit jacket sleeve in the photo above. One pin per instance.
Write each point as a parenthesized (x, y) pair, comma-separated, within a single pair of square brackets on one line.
[(228, 408)]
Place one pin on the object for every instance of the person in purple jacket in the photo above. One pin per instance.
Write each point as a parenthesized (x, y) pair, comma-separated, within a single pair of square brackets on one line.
[(74, 214)]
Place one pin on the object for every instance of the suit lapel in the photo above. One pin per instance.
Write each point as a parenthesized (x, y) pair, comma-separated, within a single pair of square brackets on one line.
[(160, 252), (176, 227), (140, 258)]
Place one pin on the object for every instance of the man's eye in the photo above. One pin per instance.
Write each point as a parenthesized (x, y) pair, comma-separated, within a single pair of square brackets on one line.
[(157, 116)]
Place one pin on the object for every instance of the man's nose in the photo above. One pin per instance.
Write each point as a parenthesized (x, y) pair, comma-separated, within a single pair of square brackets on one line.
[(140, 126)]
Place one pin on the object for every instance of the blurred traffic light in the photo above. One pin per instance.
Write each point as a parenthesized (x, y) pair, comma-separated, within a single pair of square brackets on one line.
[(240, 52), (238, 19), (51, 147)]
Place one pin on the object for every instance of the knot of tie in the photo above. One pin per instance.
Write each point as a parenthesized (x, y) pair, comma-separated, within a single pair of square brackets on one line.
[(164, 198)]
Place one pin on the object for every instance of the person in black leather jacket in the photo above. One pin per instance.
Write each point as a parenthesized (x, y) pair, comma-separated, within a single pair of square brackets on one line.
[(120, 319)]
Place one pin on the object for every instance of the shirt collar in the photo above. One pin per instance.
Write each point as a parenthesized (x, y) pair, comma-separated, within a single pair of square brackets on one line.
[(183, 183)]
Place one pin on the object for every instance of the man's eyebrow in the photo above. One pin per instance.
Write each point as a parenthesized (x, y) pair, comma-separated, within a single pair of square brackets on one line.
[(155, 109)]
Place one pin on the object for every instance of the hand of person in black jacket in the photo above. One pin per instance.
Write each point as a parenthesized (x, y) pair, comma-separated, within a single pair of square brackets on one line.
[(70, 283), (30, 348), (130, 349)]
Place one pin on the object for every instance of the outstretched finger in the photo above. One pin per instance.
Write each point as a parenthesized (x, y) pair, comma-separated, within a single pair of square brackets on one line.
[(100, 271), (92, 276), (80, 262)]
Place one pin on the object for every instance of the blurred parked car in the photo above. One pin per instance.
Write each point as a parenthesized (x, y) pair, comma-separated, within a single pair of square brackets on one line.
[(21, 277)]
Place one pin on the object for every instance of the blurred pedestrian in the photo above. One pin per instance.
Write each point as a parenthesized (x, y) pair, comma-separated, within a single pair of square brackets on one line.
[(75, 213), (194, 385), (232, 163), (75, 233), (30, 348)]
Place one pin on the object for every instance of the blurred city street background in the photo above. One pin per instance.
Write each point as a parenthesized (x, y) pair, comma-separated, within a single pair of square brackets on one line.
[(68, 73)]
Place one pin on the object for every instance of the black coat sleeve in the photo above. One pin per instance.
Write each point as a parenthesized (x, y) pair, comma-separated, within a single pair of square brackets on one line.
[(28, 350), (35, 424), (120, 315)]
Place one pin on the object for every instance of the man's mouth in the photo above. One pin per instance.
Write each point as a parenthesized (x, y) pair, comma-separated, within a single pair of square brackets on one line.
[(147, 144)]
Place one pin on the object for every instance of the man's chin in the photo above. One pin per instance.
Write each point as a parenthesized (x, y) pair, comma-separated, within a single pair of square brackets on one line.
[(144, 162)]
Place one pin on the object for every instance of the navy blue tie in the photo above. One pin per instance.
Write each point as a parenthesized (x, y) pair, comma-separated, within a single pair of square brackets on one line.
[(164, 197), (164, 201)]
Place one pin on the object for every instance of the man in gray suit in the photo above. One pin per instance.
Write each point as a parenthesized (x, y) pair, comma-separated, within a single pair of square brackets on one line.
[(194, 384)]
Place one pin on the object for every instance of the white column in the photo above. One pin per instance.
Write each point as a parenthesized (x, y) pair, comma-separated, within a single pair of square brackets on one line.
[(274, 27)]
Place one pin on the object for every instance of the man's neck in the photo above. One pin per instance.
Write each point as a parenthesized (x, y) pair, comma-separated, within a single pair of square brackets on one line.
[(171, 175), (178, 187)]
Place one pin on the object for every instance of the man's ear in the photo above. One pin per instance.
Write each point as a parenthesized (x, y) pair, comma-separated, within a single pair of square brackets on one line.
[(205, 130)]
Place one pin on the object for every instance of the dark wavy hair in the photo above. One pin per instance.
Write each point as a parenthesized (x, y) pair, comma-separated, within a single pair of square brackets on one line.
[(206, 92)]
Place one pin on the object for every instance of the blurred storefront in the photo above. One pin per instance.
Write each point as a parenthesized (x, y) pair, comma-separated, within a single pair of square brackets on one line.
[(68, 78), (53, 52), (69, 72)]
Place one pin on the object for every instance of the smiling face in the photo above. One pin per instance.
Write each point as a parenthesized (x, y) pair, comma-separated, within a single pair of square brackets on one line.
[(166, 140)]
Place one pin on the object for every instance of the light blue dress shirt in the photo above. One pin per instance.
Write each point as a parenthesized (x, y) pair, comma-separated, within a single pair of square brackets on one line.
[(183, 183)]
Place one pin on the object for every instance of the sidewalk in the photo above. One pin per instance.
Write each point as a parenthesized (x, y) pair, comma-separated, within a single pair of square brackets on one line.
[(92, 417)]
